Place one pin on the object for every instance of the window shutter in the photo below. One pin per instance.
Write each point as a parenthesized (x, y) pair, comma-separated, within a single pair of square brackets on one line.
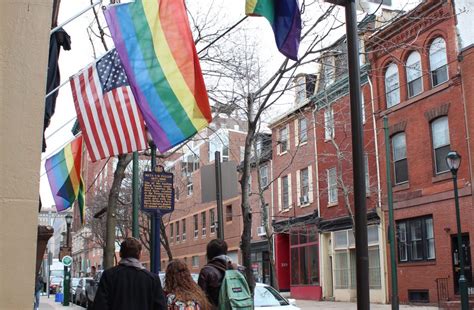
[(290, 197), (310, 184), (298, 189), (279, 194)]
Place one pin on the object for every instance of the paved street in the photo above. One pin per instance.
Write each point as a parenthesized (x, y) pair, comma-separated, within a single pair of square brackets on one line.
[(49, 304), (308, 304)]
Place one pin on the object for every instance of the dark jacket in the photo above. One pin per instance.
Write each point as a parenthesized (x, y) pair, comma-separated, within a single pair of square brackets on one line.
[(125, 287), (211, 276)]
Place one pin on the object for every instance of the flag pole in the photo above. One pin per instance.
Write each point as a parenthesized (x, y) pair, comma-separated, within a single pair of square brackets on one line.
[(74, 17)]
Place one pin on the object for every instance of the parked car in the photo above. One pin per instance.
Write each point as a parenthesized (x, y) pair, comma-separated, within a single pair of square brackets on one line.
[(268, 298), (55, 284), (81, 297), (91, 289)]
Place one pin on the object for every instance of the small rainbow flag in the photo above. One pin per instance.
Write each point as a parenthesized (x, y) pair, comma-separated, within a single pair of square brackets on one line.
[(156, 47), (64, 176), (285, 18)]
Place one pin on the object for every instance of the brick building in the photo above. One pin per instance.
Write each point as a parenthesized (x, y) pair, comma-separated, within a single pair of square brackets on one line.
[(194, 221), (420, 85)]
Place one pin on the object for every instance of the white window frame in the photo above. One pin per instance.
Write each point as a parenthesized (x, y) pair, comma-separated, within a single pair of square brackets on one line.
[(183, 229), (300, 89), (196, 225), (302, 133), (329, 128), (332, 186), (263, 176), (212, 220), (438, 50), (286, 139), (440, 121), (392, 85), (414, 72), (195, 261)]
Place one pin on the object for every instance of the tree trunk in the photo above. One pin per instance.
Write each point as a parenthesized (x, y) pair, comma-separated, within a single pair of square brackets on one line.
[(119, 175), (164, 240)]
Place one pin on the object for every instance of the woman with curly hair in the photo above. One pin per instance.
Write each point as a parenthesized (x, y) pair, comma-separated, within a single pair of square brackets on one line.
[(182, 292)]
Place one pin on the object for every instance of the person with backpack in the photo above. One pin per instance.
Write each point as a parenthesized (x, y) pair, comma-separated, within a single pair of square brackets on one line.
[(225, 286), (182, 293)]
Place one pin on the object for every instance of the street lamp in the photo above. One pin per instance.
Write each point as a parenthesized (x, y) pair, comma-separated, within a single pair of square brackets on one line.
[(453, 160), (67, 273)]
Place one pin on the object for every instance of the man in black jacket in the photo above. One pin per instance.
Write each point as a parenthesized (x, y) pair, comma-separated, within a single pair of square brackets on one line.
[(129, 285), (211, 275)]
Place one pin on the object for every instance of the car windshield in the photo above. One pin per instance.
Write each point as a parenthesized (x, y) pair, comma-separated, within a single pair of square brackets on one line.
[(267, 296), (56, 280)]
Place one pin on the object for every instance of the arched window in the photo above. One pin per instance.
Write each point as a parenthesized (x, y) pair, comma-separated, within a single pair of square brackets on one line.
[(413, 66), (392, 86), (399, 158), (438, 62), (441, 143)]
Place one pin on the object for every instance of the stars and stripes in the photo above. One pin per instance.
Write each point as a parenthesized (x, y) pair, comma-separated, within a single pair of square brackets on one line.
[(109, 117)]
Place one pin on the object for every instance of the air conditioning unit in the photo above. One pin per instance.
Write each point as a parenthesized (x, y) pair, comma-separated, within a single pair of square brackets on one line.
[(304, 200), (261, 231)]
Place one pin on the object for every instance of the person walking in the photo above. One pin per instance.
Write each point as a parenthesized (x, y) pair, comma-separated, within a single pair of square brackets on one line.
[(129, 285), (182, 293), (38, 288), (212, 274)]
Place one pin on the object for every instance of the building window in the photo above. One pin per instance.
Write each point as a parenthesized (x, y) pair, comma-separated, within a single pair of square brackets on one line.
[(195, 261), (184, 230), (189, 164), (219, 141), (285, 193), (332, 185), (329, 70), (189, 185), (228, 213), (212, 219), (328, 124), (258, 148), (416, 239), (304, 256), (414, 74), (345, 262), (196, 226), (438, 62), (392, 86), (204, 224), (367, 176), (441, 144), (304, 186), (263, 176), (300, 90), (302, 130), (400, 163), (177, 232), (283, 139), (171, 233)]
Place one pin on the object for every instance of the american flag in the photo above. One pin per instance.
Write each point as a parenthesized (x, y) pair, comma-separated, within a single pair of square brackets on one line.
[(109, 117)]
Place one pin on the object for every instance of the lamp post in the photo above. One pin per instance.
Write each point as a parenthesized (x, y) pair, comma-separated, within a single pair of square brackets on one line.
[(67, 273), (453, 160)]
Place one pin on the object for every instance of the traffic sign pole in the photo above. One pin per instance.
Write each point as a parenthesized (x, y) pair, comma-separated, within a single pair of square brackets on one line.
[(67, 262)]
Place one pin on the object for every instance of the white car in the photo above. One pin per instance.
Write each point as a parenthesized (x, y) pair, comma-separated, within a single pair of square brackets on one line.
[(268, 298)]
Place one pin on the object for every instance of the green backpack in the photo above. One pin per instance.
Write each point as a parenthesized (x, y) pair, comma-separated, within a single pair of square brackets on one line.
[(234, 292)]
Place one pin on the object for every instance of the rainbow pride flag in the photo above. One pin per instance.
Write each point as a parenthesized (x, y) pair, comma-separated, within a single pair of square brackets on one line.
[(64, 176), (285, 18), (157, 50)]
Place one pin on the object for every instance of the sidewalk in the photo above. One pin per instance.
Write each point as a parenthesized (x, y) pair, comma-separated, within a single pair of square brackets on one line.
[(49, 304), (310, 304)]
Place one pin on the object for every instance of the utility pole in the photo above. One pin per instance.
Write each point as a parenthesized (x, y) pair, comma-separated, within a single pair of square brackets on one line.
[(391, 222), (362, 251), (220, 217)]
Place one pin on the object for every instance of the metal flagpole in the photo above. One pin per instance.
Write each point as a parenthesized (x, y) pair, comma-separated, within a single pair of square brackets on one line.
[(74, 17)]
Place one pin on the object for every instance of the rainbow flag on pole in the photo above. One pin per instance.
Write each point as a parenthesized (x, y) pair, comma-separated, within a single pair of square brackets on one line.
[(285, 18), (64, 176), (157, 50)]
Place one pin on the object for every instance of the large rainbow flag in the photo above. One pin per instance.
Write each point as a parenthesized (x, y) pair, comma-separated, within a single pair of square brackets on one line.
[(157, 50), (285, 18), (64, 176)]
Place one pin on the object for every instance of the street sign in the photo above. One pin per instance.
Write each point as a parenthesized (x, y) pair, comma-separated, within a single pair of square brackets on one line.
[(157, 191), (67, 260)]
